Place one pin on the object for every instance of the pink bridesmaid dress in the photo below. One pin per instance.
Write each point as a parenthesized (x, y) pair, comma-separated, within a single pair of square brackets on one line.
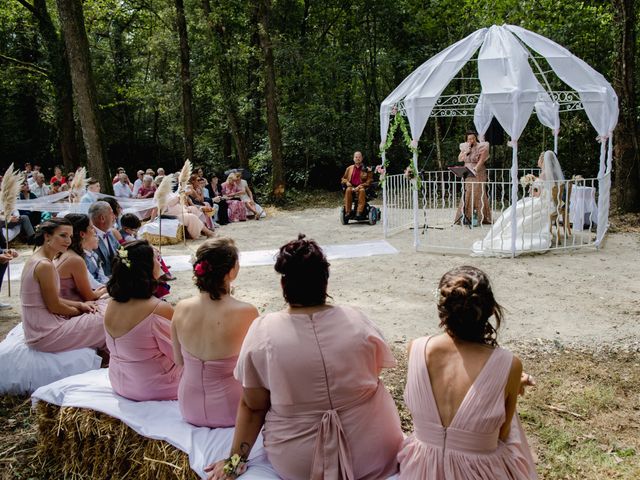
[(141, 366), (330, 416), (469, 448), (208, 394), (47, 332)]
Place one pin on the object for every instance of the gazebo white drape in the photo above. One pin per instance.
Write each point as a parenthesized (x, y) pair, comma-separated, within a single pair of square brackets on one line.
[(510, 92)]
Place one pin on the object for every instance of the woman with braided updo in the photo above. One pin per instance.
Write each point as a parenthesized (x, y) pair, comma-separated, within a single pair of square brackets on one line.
[(138, 327), (462, 391), (310, 376), (208, 330)]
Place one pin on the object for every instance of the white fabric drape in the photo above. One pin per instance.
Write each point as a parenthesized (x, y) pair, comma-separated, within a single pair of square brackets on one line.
[(420, 90), (482, 117)]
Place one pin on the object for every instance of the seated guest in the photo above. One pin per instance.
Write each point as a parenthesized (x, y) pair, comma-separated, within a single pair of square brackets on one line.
[(25, 194), (319, 417), (232, 192), (91, 195), (6, 255), (159, 176), (138, 183), (116, 208), (202, 182), (148, 188), (138, 328), (52, 323), (247, 196), (102, 218), (129, 226), (194, 191), (55, 187), (39, 188), (189, 217), (26, 229), (463, 383), (217, 198), (207, 332), (116, 178), (122, 188), (355, 181), (71, 266), (57, 175)]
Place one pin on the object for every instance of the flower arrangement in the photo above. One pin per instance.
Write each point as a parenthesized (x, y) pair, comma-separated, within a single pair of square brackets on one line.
[(201, 268), (123, 254), (235, 465), (527, 180)]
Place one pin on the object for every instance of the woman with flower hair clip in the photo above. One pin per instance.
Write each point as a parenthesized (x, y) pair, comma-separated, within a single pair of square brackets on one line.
[(207, 331), (138, 327)]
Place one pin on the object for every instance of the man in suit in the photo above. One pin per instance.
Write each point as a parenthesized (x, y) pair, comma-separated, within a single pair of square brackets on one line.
[(102, 217), (356, 179)]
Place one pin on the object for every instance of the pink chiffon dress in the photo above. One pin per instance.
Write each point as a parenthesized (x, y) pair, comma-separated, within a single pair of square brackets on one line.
[(470, 447), (47, 332), (330, 416), (235, 208), (141, 366), (208, 394)]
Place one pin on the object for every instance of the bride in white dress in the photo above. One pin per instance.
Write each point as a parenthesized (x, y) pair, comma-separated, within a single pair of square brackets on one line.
[(533, 216)]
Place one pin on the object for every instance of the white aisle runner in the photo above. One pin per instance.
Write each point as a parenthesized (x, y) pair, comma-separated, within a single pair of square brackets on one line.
[(256, 258)]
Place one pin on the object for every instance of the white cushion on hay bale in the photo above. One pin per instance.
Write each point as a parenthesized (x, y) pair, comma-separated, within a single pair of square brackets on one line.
[(22, 369), (159, 420), (156, 420)]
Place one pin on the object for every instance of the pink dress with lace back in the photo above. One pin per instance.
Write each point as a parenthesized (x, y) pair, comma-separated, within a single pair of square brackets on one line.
[(469, 448), (208, 394), (141, 366), (48, 332)]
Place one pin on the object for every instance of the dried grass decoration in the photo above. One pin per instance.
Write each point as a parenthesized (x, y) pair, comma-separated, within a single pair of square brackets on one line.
[(9, 191), (161, 197), (183, 180), (78, 184), (77, 442)]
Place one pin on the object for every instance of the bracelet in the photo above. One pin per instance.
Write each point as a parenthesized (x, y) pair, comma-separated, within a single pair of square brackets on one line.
[(235, 465)]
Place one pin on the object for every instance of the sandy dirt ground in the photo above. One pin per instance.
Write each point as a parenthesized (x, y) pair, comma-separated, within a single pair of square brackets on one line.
[(586, 297)]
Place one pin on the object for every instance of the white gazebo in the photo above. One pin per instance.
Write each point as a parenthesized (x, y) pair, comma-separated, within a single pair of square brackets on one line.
[(510, 92)]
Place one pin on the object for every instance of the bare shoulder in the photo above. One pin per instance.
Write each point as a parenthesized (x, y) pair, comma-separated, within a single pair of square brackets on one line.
[(165, 309), (44, 266), (516, 366)]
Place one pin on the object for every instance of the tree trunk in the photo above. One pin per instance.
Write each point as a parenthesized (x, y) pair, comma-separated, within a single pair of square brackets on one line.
[(271, 100), (627, 161), (84, 90), (229, 96), (185, 76), (61, 81)]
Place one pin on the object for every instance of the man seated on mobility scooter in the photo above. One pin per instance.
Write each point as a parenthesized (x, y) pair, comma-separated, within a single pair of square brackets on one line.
[(356, 180)]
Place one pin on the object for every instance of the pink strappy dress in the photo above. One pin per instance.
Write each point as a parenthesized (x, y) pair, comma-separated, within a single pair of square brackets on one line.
[(141, 366), (209, 394), (48, 332), (330, 416), (469, 448)]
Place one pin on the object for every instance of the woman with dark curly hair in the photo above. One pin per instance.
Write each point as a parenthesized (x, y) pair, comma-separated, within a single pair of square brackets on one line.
[(75, 281), (207, 331), (462, 391), (52, 323), (310, 376), (138, 327)]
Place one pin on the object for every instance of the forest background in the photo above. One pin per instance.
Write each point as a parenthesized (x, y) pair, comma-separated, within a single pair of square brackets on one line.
[(287, 88)]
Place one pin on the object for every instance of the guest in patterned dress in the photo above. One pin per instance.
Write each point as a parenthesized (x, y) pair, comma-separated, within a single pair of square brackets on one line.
[(233, 192)]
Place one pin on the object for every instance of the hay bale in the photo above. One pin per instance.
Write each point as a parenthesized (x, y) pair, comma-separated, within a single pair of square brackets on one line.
[(154, 239), (88, 444)]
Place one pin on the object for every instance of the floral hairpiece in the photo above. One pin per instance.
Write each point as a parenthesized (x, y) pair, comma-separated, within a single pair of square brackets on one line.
[(123, 254), (201, 268)]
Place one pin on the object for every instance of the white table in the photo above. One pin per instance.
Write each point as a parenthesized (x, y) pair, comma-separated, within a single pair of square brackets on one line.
[(583, 209)]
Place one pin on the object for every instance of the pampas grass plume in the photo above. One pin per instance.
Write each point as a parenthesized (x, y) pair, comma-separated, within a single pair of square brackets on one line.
[(10, 190), (161, 196), (185, 174), (79, 180)]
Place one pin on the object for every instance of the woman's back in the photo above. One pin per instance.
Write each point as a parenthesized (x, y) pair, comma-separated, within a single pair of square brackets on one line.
[(138, 335), (458, 404), (212, 329)]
